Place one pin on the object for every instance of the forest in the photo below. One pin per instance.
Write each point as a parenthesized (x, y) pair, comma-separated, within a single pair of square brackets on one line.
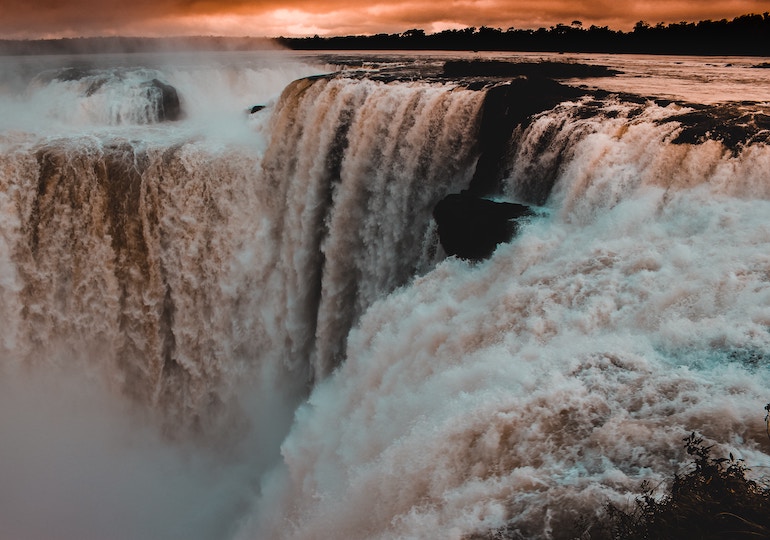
[(747, 35)]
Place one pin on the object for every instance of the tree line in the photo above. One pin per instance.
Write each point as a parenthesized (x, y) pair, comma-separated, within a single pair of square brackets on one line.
[(744, 35)]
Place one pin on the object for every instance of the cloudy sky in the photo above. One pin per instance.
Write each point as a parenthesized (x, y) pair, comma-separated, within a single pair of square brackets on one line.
[(72, 18)]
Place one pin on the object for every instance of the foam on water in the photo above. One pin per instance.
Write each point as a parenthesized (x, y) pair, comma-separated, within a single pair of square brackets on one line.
[(188, 274), (537, 386), (268, 330), (108, 94)]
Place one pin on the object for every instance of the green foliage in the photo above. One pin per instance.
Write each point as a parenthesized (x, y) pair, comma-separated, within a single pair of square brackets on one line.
[(715, 500)]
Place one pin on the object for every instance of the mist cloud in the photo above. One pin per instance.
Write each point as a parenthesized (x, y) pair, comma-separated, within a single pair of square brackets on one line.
[(78, 465)]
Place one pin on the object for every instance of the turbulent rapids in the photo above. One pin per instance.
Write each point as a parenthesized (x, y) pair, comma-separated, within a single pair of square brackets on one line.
[(254, 309)]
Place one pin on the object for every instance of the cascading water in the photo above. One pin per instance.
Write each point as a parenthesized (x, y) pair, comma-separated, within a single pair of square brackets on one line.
[(210, 278), (268, 290), (531, 389), (356, 171), (136, 250)]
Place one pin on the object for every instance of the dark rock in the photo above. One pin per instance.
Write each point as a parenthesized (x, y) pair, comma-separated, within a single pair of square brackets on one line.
[(501, 68), (505, 108), (96, 85), (169, 100), (471, 228), (735, 125), (477, 85), (256, 108), (161, 97)]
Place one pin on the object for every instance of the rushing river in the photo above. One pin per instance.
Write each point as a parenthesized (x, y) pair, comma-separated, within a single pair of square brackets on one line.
[(219, 323)]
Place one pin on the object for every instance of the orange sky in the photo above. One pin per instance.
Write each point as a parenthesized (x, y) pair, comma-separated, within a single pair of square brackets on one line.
[(72, 18)]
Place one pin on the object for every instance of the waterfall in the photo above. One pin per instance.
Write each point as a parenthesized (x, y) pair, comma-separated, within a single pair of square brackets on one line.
[(177, 265), (355, 168), (530, 389), (241, 324), (133, 259)]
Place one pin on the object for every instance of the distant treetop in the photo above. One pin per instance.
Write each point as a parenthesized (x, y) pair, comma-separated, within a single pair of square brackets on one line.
[(747, 35)]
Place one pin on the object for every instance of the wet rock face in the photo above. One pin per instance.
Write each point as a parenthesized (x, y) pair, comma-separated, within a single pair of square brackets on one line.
[(167, 99), (471, 228), (469, 225), (502, 68), (733, 124), (139, 94), (506, 107)]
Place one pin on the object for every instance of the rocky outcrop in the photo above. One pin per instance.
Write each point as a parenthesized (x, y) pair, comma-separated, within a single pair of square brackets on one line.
[(167, 100), (506, 107), (735, 125), (471, 227), (502, 68), (149, 99)]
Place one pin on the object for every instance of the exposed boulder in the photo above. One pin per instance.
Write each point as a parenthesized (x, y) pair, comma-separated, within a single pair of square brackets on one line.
[(168, 100), (506, 107), (471, 228), (149, 98)]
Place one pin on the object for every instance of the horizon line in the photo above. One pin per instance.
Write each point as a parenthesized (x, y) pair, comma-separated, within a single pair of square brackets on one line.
[(579, 27)]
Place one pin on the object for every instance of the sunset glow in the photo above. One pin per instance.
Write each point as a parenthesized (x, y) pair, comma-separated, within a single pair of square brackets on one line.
[(44, 18)]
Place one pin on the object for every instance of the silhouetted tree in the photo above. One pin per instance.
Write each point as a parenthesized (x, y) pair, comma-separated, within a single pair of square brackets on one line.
[(744, 35)]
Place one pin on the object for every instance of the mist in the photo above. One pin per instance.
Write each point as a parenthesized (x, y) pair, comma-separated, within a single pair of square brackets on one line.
[(79, 463), (98, 93), (87, 451), (242, 325)]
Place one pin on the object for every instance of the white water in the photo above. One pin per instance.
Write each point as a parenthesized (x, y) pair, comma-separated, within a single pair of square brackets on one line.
[(135, 274), (180, 267), (171, 293), (556, 376)]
